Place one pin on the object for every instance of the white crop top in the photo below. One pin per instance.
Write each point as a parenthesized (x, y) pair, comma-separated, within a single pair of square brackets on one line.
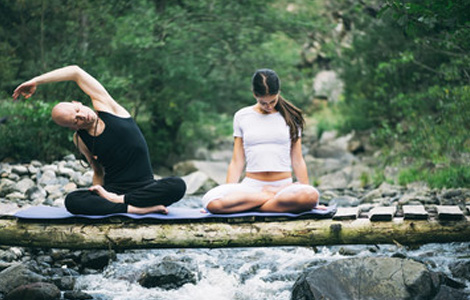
[(266, 140)]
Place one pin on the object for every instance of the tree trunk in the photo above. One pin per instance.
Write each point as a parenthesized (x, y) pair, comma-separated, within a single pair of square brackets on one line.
[(126, 234)]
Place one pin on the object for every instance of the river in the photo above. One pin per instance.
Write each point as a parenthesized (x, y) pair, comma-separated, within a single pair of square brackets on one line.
[(245, 273)]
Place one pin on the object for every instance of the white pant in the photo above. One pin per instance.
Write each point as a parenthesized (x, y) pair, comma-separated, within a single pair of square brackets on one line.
[(250, 185)]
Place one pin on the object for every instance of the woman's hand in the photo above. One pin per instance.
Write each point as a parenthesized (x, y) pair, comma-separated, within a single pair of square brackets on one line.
[(26, 89), (107, 195)]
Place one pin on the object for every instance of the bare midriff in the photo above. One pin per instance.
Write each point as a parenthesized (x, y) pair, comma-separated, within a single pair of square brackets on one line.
[(269, 176)]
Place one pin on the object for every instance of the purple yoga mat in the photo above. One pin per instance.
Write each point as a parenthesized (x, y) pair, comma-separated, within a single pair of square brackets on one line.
[(175, 213)]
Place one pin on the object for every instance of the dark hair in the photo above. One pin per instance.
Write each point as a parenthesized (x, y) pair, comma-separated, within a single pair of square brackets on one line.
[(266, 82)]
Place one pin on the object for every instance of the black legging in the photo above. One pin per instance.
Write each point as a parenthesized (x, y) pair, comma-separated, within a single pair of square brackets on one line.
[(165, 191)]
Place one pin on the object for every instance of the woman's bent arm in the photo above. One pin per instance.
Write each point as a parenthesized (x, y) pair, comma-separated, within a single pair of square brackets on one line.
[(237, 163), (298, 163)]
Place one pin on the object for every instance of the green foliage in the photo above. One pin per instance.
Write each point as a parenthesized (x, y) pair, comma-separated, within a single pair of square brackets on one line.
[(453, 176), (406, 77), (29, 133), (175, 65)]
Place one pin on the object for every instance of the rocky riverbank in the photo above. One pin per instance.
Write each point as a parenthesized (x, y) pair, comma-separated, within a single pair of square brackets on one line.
[(340, 174)]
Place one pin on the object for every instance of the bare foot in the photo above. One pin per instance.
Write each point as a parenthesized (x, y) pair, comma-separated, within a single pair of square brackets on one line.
[(320, 206), (161, 209)]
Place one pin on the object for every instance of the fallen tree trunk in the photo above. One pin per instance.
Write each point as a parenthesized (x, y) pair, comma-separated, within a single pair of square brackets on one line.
[(135, 235)]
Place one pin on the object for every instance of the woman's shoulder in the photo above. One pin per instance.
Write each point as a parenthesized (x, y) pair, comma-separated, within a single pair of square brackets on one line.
[(245, 111)]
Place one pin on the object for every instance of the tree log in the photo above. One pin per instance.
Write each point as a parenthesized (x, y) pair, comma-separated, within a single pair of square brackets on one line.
[(306, 232)]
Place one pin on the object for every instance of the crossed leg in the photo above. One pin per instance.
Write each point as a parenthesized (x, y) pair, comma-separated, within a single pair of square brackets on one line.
[(293, 198)]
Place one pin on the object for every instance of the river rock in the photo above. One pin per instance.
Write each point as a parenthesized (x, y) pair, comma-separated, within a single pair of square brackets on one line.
[(24, 184), (8, 208), (321, 166), (448, 293), (216, 170), (36, 193), (167, 275), (336, 180), (15, 196), (16, 276), (35, 291), (97, 260), (20, 170), (367, 278), (344, 201), (461, 269), (77, 295), (7, 186), (198, 182), (328, 84), (47, 178)]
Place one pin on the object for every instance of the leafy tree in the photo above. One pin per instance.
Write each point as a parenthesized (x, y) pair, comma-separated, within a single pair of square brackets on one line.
[(173, 64)]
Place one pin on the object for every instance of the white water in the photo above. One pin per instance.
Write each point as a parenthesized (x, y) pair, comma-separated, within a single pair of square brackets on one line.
[(243, 273)]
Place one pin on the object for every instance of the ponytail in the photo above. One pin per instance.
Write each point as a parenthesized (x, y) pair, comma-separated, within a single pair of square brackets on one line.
[(293, 117)]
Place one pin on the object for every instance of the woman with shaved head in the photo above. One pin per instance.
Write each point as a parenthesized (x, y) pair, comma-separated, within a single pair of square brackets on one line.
[(114, 147)]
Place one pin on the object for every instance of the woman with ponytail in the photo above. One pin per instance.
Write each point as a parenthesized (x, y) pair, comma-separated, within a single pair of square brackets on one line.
[(267, 139)]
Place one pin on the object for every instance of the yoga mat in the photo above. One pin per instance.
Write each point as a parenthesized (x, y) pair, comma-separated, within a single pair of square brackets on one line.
[(175, 213)]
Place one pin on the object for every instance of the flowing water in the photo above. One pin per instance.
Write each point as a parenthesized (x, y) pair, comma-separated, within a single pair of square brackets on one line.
[(245, 273)]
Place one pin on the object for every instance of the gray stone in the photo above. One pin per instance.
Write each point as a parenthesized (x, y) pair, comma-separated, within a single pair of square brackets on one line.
[(344, 201), (366, 278), (35, 291), (66, 172), (36, 193), (32, 169), (221, 155), (54, 191), (47, 178), (461, 269), (77, 295), (17, 275), (336, 180), (198, 182), (15, 196), (8, 208), (167, 275), (24, 184), (321, 166), (328, 84), (98, 259), (13, 176), (217, 171), (70, 157), (7, 186), (36, 163), (20, 170), (85, 180), (371, 196)]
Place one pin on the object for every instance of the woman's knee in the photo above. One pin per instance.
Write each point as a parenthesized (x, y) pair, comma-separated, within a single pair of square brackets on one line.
[(308, 196), (215, 206), (179, 187), (303, 196), (72, 203), (176, 187)]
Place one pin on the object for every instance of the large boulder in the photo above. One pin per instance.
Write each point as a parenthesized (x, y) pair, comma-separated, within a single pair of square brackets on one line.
[(215, 170), (97, 259), (368, 278), (35, 291), (16, 276), (198, 182), (167, 275)]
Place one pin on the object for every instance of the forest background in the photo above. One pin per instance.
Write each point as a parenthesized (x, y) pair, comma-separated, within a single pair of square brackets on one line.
[(184, 67)]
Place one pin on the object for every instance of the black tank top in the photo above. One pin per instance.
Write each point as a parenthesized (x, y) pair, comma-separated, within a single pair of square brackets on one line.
[(121, 150)]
